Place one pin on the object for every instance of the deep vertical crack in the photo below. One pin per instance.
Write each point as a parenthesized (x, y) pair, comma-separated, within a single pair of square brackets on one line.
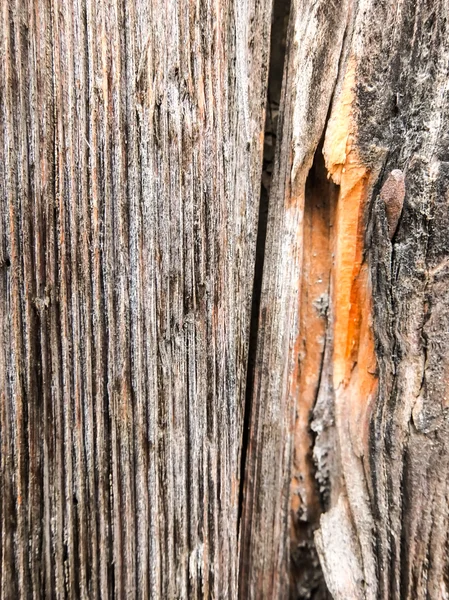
[(279, 23)]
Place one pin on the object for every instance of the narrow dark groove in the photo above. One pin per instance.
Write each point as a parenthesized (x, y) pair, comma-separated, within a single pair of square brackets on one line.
[(279, 23)]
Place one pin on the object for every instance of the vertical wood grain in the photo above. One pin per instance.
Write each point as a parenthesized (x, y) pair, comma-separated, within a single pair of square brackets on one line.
[(130, 167)]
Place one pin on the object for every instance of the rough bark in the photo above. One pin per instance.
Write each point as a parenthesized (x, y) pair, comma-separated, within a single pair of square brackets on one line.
[(130, 156), (348, 453)]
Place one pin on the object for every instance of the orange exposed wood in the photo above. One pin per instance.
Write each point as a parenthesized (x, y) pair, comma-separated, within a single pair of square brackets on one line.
[(349, 296), (333, 237), (354, 361), (314, 299)]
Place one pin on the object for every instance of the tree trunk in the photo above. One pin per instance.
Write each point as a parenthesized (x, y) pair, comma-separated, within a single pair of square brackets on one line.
[(164, 431)]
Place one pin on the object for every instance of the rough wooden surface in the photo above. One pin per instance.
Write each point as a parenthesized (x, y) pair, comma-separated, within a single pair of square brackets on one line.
[(349, 410), (130, 167), (313, 52), (131, 149)]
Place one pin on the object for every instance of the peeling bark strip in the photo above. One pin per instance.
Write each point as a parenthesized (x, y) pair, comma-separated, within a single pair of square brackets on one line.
[(130, 168), (349, 409)]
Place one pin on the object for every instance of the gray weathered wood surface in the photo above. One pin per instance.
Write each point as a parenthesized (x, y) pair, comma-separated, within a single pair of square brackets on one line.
[(130, 168), (131, 150)]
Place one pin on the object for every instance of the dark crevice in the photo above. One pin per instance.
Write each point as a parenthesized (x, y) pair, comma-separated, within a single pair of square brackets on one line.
[(279, 23), (311, 478)]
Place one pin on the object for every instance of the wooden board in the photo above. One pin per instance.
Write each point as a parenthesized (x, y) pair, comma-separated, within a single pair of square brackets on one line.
[(130, 157), (348, 453)]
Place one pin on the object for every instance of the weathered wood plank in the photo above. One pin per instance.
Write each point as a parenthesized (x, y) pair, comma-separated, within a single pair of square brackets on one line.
[(130, 170), (313, 53), (131, 155), (349, 414)]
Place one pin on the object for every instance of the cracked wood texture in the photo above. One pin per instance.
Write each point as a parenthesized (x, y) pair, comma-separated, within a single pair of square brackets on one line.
[(346, 484), (130, 168), (130, 174)]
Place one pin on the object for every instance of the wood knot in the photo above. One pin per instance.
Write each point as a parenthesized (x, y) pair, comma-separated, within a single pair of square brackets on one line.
[(393, 193)]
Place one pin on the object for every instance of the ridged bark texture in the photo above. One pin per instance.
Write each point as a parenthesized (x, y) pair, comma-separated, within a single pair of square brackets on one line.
[(348, 451)]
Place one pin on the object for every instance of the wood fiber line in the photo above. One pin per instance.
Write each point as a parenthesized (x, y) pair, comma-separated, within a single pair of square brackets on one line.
[(131, 155)]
